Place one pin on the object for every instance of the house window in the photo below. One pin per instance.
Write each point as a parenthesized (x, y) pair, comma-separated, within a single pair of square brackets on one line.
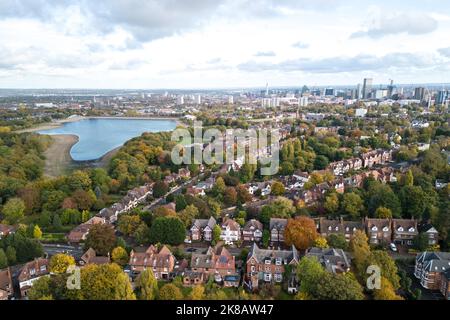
[(278, 262), (267, 261), (267, 269), (267, 277), (278, 277), (253, 268)]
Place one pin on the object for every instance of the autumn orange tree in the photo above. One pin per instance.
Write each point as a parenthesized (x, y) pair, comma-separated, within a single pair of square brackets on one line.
[(301, 232)]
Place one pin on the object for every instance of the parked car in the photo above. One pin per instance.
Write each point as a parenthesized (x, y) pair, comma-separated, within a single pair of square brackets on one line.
[(393, 247)]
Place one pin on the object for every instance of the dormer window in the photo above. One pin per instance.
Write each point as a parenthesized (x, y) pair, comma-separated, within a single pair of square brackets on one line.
[(329, 228), (385, 229), (32, 271), (412, 229), (347, 229), (374, 228), (400, 229), (278, 262), (43, 268), (267, 261), (337, 228)]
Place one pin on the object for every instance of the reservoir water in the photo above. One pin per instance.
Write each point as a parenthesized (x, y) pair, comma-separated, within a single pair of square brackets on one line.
[(99, 136)]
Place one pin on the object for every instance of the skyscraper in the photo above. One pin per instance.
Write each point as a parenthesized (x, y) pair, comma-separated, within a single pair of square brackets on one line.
[(367, 88), (442, 97), (419, 93)]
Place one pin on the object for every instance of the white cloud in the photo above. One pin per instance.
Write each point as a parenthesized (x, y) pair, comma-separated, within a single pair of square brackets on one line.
[(409, 23)]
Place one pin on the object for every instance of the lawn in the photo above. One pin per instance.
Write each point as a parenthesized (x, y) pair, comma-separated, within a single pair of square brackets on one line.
[(54, 237)]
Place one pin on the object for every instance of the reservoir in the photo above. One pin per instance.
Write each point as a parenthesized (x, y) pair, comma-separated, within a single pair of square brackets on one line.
[(99, 136)]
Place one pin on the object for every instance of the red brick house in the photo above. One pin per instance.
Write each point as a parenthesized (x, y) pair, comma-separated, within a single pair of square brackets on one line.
[(162, 262), (6, 284), (31, 272)]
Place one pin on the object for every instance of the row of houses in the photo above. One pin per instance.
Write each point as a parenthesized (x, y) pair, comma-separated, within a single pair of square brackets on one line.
[(133, 198), (379, 231), (315, 194), (366, 160), (231, 231)]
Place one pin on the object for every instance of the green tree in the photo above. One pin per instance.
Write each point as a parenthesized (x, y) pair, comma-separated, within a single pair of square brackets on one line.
[(128, 224), (413, 200), (147, 285), (101, 238), (141, 234), (409, 178), (11, 255), (331, 204), (230, 196), (13, 210), (309, 271), (120, 256), (337, 241), (352, 204), (386, 292), (37, 233), (60, 262), (3, 259), (160, 188), (197, 293), (180, 202), (188, 214), (383, 213), (216, 233), (277, 188), (381, 195), (338, 287), (421, 242), (170, 292), (387, 265), (266, 238), (41, 289), (167, 230), (219, 186), (105, 282)]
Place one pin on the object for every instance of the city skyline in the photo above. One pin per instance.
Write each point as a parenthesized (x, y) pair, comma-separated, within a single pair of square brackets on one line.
[(225, 44)]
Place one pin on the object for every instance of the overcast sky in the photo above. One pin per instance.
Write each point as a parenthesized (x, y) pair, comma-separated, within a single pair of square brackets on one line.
[(221, 43)]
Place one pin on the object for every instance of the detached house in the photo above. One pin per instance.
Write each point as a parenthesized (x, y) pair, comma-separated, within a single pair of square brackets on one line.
[(431, 232), (6, 284), (268, 266), (378, 230), (31, 272), (252, 231), (202, 229), (404, 231), (162, 262), (333, 260), (231, 231), (79, 233), (433, 271)]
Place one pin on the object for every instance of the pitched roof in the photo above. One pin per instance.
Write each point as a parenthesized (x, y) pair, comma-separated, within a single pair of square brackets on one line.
[(253, 223), (334, 260), (278, 223), (262, 255)]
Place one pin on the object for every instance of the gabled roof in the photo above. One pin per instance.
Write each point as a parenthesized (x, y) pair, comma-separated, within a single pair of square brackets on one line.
[(253, 223), (260, 255), (278, 223)]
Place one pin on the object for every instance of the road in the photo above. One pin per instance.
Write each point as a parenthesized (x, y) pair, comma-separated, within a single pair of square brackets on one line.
[(52, 249)]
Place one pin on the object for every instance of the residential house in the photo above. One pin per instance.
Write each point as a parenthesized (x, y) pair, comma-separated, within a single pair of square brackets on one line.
[(376, 157), (90, 257), (431, 232), (192, 278), (378, 230), (184, 173), (195, 191), (230, 231), (79, 233), (347, 228), (202, 229), (161, 261), (333, 260), (252, 231), (432, 270), (6, 229), (6, 284), (445, 284), (268, 265), (216, 262), (404, 231), (277, 227), (31, 272)]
